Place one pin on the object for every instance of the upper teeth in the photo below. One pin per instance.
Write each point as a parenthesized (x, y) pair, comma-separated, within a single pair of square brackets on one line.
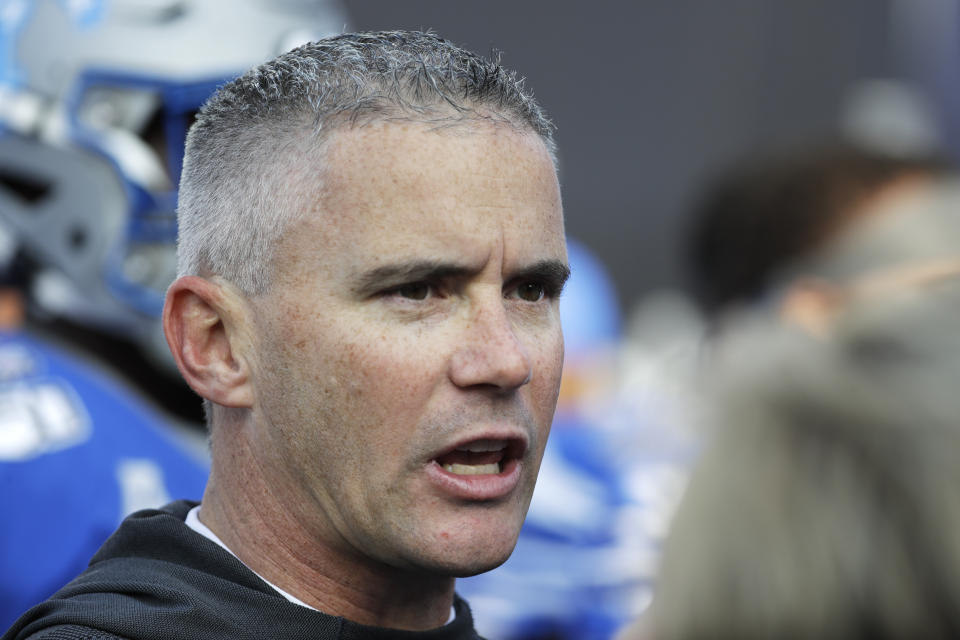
[(480, 446), (472, 469)]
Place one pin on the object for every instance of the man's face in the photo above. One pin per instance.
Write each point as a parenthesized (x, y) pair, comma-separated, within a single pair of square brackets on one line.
[(410, 351)]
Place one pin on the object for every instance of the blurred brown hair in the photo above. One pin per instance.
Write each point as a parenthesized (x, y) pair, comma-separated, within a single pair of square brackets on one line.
[(761, 216)]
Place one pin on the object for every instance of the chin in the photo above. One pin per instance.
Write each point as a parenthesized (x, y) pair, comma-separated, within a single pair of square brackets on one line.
[(465, 542), (469, 557), (467, 572), (469, 566)]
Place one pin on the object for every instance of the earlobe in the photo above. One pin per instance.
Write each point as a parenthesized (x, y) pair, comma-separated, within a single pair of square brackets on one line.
[(204, 325)]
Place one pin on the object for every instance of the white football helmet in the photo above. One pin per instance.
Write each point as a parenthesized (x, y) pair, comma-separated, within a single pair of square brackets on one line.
[(96, 97)]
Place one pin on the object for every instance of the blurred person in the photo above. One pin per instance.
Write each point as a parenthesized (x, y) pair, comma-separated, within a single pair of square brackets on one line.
[(826, 504), (758, 222), (95, 423), (371, 253)]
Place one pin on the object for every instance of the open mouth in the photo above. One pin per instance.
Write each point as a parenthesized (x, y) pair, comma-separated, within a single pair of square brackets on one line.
[(480, 457)]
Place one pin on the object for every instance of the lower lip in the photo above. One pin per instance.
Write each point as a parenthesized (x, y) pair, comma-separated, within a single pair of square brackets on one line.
[(479, 487)]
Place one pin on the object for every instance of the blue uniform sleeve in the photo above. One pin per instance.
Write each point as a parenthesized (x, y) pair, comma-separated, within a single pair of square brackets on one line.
[(78, 452)]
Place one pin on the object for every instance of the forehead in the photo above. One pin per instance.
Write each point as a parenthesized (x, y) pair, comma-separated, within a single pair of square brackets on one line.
[(392, 190)]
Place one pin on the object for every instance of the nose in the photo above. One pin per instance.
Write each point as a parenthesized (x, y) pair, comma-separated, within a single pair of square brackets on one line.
[(491, 354)]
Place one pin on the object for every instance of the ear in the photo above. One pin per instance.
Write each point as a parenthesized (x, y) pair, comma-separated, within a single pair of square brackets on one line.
[(205, 326), (811, 304)]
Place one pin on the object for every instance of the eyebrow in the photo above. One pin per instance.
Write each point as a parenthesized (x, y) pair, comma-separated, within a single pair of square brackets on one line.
[(390, 275), (553, 273)]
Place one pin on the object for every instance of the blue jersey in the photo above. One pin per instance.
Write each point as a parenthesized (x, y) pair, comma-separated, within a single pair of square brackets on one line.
[(78, 452)]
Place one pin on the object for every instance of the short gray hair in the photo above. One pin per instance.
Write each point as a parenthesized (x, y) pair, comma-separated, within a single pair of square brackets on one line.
[(244, 166)]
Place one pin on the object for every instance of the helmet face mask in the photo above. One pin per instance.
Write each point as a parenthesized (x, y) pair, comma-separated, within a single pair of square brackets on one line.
[(139, 124), (94, 207), (95, 102), (139, 121)]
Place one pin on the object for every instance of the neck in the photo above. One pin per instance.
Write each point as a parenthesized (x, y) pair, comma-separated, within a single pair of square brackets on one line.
[(263, 522)]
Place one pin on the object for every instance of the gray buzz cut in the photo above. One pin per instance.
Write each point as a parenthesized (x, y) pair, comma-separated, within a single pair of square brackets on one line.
[(248, 156)]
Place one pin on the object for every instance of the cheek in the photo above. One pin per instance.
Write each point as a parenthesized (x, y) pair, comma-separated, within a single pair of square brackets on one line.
[(550, 363), (384, 379)]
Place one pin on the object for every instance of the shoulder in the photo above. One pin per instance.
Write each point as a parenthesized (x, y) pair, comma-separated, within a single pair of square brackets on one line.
[(155, 578), (71, 632)]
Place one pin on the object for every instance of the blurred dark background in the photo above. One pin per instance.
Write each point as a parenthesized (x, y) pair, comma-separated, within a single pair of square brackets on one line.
[(653, 98)]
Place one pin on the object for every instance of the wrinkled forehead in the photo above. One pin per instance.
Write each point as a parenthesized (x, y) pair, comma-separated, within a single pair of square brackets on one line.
[(391, 188), (375, 173), (391, 138), (436, 117)]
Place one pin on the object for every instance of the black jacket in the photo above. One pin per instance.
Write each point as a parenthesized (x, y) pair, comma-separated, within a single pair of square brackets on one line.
[(157, 579)]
